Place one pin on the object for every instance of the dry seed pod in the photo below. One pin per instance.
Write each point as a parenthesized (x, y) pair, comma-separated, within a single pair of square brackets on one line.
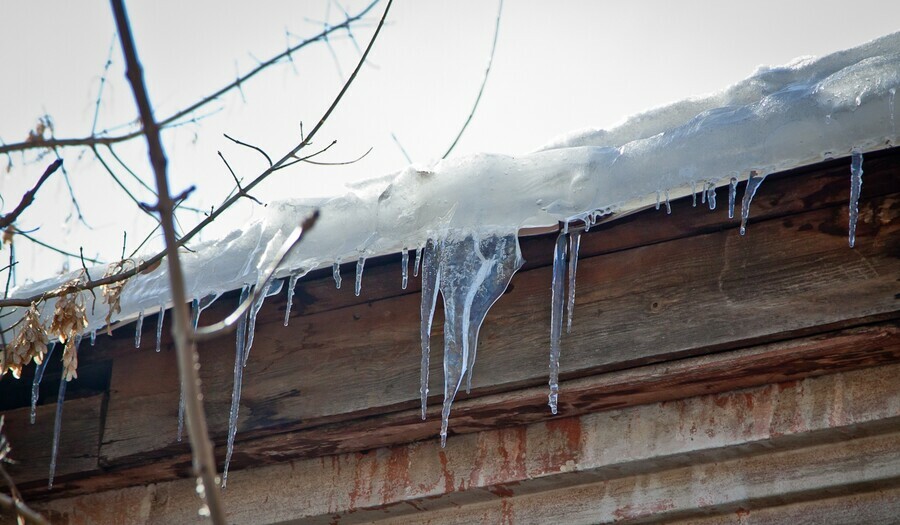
[(112, 293)]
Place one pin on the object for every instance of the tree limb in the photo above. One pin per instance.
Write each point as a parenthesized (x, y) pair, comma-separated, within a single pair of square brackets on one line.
[(28, 198)]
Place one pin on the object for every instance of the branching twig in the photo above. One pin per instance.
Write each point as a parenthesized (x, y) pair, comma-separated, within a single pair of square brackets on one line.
[(95, 140), (237, 182), (251, 146), (152, 261), (28, 198), (487, 72)]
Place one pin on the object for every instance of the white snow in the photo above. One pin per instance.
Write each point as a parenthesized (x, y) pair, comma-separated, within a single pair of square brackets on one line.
[(468, 210)]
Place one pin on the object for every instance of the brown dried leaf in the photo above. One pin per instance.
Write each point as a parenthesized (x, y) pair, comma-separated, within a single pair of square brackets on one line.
[(112, 293)]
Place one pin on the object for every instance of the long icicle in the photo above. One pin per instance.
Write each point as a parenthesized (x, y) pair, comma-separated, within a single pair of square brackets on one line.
[(159, 326), (138, 328), (57, 423), (36, 383), (292, 283), (574, 245), (556, 316), (360, 266), (856, 173), (404, 269), (430, 285), (238, 379), (753, 184)]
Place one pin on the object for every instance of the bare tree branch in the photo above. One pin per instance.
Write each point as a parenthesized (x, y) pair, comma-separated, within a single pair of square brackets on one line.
[(487, 72), (103, 140), (186, 351), (28, 198)]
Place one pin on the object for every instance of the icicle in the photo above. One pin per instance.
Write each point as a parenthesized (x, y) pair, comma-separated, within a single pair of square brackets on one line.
[(556, 314), (57, 427), (657, 202), (753, 184), (732, 193), (418, 260), (711, 195), (238, 379), (159, 326), (574, 244), (360, 264), (137, 329), (93, 337), (273, 288), (292, 283), (195, 313), (668, 204), (856, 173), (430, 285), (703, 193), (38, 375), (474, 273), (57, 424), (336, 273), (404, 269), (693, 194)]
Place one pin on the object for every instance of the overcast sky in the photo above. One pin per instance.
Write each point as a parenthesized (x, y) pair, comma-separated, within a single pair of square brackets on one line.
[(559, 66)]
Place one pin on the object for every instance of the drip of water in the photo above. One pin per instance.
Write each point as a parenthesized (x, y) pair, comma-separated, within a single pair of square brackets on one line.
[(753, 184), (138, 327), (430, 286), (418, 260), (556, 316), (404, 269), (336, 273), (159, 326), (732, 193), (238, 379), (856, 173), (360, 265), (574, 245), (36, 383)]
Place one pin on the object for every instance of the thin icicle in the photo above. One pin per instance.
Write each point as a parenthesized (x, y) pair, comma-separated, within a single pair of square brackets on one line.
[(703, 193), (732, 193), (138, 327), (159, 326), (574, 245), (416, 263), (668, 204), (292, 283), (711, 195), (57, 428), (693, 194), (657, 202), (753, 184), (93, 337), (57, 424), (336, 273), (431, 281), (404, 269), (360, 265), (856, 173), (238, 379), (36, 383), (556, 316), (195, 312)]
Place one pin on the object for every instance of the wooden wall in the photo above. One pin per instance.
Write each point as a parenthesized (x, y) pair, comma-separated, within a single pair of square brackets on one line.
[(668, 308)]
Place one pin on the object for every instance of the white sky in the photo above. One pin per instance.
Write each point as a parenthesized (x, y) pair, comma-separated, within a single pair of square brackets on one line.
[(559, 66)]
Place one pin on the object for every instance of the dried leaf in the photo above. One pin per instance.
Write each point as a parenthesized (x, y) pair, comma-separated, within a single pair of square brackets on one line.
[(112, 293), (30, 343)]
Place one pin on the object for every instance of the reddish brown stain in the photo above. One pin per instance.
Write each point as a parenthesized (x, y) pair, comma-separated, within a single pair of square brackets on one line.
[(507, 514), (638, 511), (396, 478), (501, 491), (448, 476)]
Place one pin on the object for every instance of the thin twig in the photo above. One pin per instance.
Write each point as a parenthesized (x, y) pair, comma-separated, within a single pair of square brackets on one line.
[(343, 163), (186, 351), (487, 72), (112, 46), (167, 122), (28, 198), (55, 249), (237, 181), (251, 146), (402, 149)]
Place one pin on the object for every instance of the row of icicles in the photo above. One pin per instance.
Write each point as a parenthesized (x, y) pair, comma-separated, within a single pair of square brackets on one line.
[(467, 298)]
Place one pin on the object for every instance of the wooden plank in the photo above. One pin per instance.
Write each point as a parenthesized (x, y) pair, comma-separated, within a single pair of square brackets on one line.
[(80, 439), (686, 297), (710, 452)]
